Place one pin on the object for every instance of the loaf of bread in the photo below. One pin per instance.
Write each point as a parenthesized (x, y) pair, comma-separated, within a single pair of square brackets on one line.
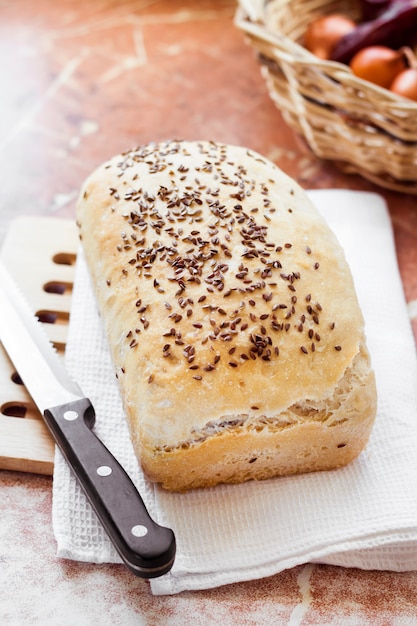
[(231, 315)]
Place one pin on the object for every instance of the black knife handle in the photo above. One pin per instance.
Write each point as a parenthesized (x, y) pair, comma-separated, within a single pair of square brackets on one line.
[(146, 548)]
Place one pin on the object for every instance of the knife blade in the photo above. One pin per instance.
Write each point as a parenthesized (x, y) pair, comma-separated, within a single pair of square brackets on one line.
[(146, 548)]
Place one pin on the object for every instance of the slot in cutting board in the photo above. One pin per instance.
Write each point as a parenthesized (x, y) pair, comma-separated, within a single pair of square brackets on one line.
[(40, 254)]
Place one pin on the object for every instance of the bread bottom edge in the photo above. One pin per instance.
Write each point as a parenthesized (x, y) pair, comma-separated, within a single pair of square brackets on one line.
[(238, 457)]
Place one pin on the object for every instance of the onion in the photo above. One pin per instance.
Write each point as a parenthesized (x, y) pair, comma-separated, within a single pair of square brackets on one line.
[(405, 84), (323, 33), (378, 64)]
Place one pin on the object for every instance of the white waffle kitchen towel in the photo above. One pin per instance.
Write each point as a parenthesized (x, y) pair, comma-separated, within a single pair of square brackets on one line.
[(364, 515)]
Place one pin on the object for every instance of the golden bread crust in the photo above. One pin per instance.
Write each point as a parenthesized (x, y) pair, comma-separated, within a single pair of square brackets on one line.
[(231, 315)]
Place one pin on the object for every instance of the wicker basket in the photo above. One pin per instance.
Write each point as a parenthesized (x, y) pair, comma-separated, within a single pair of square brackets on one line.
[(363, 128)]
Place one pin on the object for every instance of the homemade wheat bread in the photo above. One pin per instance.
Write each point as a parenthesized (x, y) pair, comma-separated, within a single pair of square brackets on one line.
[(231, 315)]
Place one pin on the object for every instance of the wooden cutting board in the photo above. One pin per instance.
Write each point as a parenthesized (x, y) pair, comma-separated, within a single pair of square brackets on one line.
[(40, 253)]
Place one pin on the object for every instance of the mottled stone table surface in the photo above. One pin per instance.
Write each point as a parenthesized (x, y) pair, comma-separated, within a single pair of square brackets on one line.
[(81, 81)]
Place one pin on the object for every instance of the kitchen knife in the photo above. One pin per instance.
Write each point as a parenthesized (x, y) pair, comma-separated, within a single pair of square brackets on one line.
[(147, 549)]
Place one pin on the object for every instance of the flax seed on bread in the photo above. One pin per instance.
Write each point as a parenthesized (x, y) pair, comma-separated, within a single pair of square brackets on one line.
[(231, 315)]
